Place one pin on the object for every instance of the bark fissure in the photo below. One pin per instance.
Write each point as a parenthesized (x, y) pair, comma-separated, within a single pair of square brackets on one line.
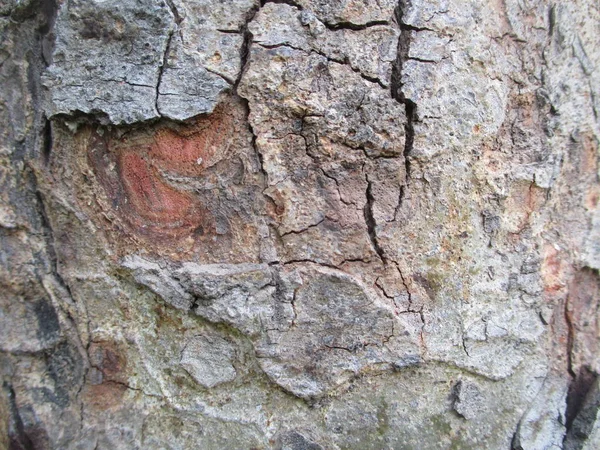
[(370, 221), (19, 439), (162, 68), (303, 230), (579, 388), (51, 245), (344, 61), (354, 26), (284, 2), (399, 95)]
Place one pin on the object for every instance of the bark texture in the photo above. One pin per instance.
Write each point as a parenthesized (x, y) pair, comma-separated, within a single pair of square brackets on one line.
[(310, 224)]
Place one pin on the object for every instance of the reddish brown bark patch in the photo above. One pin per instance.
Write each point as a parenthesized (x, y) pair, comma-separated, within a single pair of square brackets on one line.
[(106, 357), (105, 396), (174, 189), (138, 169)]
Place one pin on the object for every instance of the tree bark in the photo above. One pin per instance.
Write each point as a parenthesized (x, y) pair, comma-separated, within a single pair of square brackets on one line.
[(299, 224)]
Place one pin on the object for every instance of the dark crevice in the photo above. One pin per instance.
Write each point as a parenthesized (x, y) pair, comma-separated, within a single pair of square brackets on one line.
[(259, 155), (244, 63), (371, 223), (226, 31), (464, 345), (178, 19), (337, 187), (406, 27), (336, 347), (312, 261), (405, 284), (398, 94), (18, 438), (578, 391), (354, 26), (246, 45), (285, 2), (51, 245), (295, 311), (46, 149), (570, 338), (162, 67), (401, 196)]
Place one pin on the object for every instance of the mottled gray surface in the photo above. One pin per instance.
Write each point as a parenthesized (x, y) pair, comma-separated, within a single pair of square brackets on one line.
[(308, 224), (128, 62)]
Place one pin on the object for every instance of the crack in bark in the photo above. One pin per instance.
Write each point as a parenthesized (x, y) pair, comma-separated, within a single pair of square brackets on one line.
[(371, 223), (175, 12), (354, 26), (284, 2), (46, 145), (246, 45), (337, 187), (162, 69), (20, 439), (570, 338), (314, 225), (323, 264), (178, 19), (582, 402), (293, 303), (405, 284), (48, 234), (398, 94), (244, 63), (224, 77), (344, 61)]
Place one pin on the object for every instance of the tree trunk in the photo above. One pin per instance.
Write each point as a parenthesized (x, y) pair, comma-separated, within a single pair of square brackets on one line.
[(300, 224)]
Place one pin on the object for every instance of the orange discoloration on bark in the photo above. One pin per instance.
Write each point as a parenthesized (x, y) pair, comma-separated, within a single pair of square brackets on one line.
[(189, 152), (105, 396), (180, 190), (135, 172), (552, 270), (150, 197)]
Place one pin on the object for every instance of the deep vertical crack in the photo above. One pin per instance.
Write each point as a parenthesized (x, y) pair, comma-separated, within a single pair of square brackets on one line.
[(405, 284), (570, 338), (18, 439), (52, 255), (371, 223), (246, 44), (244, 63), (162, 68), (178, 19), (399, 95), (46, 143)]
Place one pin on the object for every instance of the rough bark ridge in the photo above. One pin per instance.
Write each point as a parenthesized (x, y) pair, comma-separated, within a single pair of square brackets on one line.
[(299, 224)]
